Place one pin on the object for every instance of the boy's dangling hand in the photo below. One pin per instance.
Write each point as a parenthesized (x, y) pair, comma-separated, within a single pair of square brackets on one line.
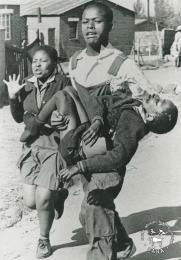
[(13, 86)]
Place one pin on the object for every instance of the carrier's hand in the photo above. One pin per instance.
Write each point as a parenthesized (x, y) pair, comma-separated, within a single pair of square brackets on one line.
[(58, 121), (66, 174), (100, 197), (13, 86), (96, 197), (91, 135)]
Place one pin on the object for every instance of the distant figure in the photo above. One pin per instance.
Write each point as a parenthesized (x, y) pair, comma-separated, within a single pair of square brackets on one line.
[(177, 39), (176, 47)]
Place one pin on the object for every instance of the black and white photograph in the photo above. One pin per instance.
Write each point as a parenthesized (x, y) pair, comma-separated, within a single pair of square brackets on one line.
[(90, 129)]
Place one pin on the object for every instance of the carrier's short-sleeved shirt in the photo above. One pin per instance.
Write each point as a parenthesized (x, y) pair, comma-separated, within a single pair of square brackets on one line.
[(93, 70)]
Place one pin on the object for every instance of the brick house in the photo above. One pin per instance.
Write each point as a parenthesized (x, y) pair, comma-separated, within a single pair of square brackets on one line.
[(60, 26), (11, 21), (145, 25)]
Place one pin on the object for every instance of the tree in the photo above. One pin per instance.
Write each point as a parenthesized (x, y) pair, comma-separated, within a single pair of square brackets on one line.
[(139, 9), (176, 20), (164, 13)]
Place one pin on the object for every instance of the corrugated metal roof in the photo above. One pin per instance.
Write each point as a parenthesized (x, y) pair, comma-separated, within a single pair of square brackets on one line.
[(56, 7), (128, 4), (10, 2)]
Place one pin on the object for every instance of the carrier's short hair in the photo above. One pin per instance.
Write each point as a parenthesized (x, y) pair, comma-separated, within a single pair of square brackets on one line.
[(165, 121), (51, 52), (104, 7)]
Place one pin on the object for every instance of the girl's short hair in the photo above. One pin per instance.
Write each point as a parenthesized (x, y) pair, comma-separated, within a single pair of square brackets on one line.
[(51, 52)]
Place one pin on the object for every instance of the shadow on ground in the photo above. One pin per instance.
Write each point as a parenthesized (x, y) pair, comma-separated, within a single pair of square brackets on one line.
[(136, 222), (79, 239)]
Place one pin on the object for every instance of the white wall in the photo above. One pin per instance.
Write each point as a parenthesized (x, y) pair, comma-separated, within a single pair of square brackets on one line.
[(46, 23)]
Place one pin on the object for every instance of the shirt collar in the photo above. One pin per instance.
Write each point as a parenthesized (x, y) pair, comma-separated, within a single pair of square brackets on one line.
[(104, 52), (139, 110)]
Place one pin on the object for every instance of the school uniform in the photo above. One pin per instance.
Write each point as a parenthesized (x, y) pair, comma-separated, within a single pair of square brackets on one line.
[(40, 162)]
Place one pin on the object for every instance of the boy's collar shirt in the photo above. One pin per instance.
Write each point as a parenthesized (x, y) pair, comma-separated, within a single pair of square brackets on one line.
[(140, 111)]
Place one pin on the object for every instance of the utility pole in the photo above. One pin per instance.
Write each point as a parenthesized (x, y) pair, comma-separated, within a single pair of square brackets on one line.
[(39, 14), (148, 10)]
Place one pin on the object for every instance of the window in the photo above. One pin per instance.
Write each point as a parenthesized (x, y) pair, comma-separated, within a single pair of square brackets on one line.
[(73, 28), (5, 21)]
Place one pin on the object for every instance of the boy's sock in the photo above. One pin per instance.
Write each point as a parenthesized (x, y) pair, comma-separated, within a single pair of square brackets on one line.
[(44, 237)]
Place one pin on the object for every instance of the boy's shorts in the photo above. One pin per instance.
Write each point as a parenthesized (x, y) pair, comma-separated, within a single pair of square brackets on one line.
[(40, 166)]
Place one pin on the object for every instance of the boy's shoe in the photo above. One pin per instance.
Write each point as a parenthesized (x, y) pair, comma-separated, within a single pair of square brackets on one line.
[(32, 129), (26, 136), (43, 249), (61, 196), (129, 250)]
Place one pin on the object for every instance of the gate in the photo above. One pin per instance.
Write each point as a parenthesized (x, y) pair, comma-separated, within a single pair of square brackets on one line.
[(167, 40), (18, 60)]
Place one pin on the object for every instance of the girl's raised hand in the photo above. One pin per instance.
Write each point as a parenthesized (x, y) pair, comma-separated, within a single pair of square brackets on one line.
[(13, 86)]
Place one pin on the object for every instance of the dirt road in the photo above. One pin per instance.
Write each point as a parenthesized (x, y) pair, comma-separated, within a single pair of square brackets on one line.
[(151, 192)]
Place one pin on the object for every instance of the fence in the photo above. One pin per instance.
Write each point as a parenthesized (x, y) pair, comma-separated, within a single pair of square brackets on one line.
[(18, 60)]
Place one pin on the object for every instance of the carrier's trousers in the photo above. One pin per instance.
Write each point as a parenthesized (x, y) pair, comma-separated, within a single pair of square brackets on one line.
[(105, 233)]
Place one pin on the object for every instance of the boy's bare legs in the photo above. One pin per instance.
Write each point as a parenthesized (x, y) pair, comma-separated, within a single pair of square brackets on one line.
[(66, 107)]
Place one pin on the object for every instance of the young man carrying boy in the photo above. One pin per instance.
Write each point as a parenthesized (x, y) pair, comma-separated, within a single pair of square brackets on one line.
[(101, 68)]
